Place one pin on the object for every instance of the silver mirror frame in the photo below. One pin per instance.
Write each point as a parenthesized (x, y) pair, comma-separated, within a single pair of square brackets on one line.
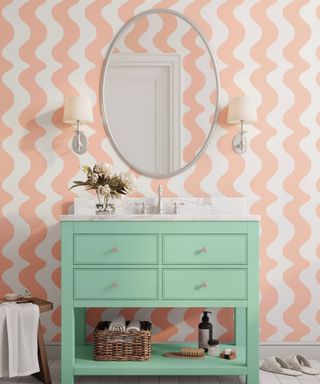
[(102, 93)]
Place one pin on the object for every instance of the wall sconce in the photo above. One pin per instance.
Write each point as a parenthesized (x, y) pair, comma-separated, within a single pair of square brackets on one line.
[(78, 110), (241, 111)]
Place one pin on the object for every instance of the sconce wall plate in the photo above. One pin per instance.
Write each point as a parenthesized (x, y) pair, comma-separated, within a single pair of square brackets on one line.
[(240, 146)]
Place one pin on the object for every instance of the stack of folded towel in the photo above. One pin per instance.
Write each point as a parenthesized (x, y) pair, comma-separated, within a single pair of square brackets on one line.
[(119, 324), (18, 339)]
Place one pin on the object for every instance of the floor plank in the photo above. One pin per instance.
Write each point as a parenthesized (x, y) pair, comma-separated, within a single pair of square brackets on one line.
[(89, 380), (188, 380), (229, 380), (109, 380), (269, 378), (167, 380), (285, 379), (209, 380), (151, 380), (129, 380), (308, 379)]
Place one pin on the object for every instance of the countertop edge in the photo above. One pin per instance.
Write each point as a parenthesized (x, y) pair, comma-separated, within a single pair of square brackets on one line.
[(159, 218)]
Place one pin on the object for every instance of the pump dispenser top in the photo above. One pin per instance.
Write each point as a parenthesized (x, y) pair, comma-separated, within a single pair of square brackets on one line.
[(205, 317)]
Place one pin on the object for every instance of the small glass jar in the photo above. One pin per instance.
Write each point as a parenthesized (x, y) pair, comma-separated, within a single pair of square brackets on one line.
[(213, 347)]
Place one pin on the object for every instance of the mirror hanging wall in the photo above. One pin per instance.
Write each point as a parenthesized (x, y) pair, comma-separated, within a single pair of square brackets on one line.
[(159, 93)]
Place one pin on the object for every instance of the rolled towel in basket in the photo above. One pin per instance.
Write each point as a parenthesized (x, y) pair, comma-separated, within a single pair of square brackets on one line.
[(118, 324), (134, 325)]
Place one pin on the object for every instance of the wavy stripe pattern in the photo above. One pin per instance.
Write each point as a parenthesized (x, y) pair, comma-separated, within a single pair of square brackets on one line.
[(259, 145), (6, 131), (292, 250), (268, 49)]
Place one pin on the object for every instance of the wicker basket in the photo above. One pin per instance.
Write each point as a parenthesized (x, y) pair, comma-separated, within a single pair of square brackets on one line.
[(122, 346)]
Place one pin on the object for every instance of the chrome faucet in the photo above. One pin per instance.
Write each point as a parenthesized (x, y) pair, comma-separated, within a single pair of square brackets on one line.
[(176, 207), (160, 208)]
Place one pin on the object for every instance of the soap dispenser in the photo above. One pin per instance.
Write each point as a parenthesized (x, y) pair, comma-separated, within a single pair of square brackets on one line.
[(205, 331)]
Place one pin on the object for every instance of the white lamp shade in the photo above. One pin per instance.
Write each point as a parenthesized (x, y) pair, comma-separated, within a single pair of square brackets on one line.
[(241, 108), (77, 108)]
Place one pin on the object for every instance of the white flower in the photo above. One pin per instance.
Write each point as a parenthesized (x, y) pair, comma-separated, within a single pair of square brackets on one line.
[(128, 180), (103, 168), (104, 190), (93, 178)]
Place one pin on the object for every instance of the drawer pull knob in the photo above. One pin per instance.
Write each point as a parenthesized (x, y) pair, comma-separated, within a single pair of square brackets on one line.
[(114, 285), (204, 285), (114, 250), (204, 249)]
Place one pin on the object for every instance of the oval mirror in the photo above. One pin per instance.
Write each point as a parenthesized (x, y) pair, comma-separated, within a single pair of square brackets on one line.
[(159, 93)]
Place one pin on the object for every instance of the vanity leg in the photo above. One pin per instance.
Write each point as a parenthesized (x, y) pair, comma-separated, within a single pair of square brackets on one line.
[(252, 349), (67, 310), (240, 326), (252, 310), (80, 326), (67, 346)]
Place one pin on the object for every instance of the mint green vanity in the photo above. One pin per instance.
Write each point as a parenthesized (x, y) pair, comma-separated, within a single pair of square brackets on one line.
[(120, 262)]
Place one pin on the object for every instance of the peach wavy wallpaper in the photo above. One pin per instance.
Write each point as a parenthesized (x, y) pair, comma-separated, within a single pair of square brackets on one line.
[(268, 49)]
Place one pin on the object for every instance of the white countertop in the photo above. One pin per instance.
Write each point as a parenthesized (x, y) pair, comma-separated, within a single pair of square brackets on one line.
[(163, 217)]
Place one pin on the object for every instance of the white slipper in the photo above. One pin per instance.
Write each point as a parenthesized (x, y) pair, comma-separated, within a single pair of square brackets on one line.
[(276, 365), (300, 363)]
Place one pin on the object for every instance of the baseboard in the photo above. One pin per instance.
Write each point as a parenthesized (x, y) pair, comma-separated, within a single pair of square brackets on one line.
[(310, 350)]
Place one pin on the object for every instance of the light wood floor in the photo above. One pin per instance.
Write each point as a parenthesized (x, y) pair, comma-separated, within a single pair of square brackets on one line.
[(265, 378)]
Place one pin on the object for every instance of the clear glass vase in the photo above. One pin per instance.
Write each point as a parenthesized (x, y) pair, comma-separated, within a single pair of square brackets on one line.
[(103, 207)]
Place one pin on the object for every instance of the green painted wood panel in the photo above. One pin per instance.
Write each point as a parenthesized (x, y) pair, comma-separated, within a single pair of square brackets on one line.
[(199, 248), (161, 366), (116, 284), (161, 227), (67, 316), (116, 248), (252, 311), (197, 284), (160, 303)]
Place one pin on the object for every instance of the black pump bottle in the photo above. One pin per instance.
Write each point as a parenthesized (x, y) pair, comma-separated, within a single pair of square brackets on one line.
[(205, 331)]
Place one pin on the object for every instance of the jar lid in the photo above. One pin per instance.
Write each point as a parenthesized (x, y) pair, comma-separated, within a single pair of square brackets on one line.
[(213, 342)]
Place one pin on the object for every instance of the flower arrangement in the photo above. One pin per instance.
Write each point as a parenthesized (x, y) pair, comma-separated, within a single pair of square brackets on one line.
[(106, 184)]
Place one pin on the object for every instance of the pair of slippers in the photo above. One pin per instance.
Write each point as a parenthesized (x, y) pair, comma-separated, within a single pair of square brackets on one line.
[(294, 365)]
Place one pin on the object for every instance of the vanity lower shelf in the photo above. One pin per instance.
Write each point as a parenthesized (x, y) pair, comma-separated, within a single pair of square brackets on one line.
[(159, 365)]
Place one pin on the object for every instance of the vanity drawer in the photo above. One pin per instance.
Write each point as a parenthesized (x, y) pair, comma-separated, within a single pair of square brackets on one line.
[(116, 284), (193, 284), (116, 248), (211, 248)]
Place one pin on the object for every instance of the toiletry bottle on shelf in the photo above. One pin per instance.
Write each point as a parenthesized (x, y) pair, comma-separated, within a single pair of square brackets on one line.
[(205, 331)]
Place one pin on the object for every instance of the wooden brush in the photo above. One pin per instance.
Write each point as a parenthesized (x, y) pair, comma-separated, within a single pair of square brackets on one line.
[(192, 352), (186, 353)]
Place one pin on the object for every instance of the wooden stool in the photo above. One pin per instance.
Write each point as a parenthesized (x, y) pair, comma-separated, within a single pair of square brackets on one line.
[(44, 374)]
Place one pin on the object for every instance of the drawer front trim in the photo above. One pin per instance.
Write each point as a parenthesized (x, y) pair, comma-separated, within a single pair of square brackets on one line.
[(116, 248), (222, 284), (209, 248), (116, 284)]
